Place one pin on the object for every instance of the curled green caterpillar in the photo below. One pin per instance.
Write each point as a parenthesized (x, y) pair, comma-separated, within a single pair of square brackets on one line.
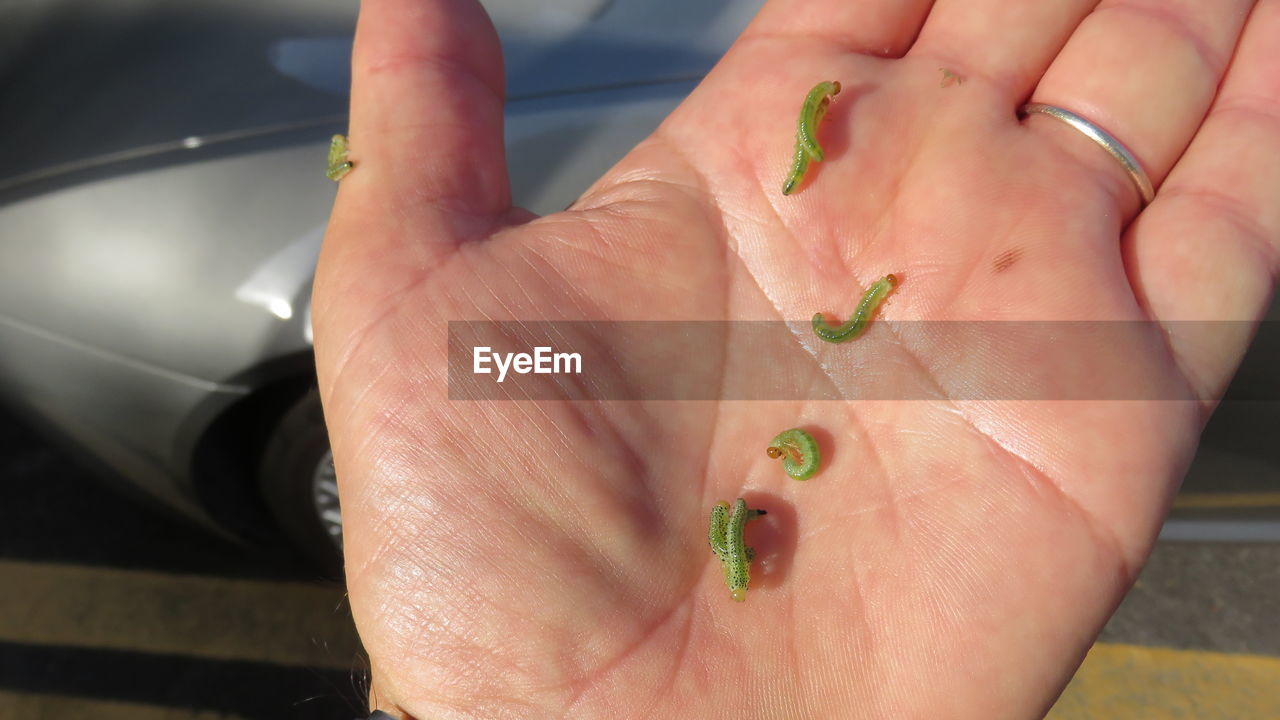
[(726, 538), (799, 453), (807, 147), (339, 165), (857, 322)]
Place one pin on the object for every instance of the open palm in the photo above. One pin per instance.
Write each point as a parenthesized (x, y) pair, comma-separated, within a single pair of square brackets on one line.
[(957, 554)]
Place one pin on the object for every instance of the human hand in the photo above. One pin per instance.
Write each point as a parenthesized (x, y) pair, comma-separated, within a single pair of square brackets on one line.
[(955, 558)]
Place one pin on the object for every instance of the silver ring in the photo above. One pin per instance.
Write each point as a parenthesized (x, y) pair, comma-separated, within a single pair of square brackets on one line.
[(1105, 139)]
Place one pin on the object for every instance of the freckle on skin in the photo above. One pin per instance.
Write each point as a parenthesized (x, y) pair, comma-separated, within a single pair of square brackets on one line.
[(1006, 259)]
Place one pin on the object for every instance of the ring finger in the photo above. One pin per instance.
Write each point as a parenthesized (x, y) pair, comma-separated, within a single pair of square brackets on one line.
[(1145, 71)]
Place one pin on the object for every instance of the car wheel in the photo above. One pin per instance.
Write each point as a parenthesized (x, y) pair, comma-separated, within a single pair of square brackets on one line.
[(299, 485)]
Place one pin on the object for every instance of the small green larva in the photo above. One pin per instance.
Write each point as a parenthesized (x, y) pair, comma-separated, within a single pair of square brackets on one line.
[(857, 322), (799, 453), (807, 147), (950, 78), (339, 165), (726, 539)]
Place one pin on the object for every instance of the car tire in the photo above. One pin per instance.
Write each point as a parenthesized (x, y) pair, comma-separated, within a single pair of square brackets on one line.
[(296, 477)]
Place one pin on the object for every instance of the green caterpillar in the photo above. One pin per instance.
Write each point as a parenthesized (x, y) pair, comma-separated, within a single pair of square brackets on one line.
[(857, 322), (807, 147), (799, 453), (726, 538), (339, 165)]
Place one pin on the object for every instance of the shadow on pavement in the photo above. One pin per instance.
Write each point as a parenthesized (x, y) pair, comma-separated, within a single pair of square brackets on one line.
[(108, 601)]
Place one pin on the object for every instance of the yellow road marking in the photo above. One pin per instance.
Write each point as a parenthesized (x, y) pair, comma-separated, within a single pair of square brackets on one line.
[(1126, 681), (205, 617), (33, 705), (1206, 501)]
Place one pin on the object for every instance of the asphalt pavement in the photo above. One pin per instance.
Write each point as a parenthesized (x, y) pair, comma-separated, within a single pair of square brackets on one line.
[(113, 610)]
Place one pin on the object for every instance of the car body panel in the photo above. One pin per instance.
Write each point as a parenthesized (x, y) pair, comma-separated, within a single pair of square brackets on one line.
[(155, 272), (165, 266), (97, 80), (123, 414), (193, 269)]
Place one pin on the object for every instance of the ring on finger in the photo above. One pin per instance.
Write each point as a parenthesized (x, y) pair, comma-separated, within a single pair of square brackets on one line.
[(1105, 140)]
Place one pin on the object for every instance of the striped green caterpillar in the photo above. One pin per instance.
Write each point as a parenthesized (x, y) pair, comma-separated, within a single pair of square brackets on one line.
[(857, 322), (799, 453), (726, 538), (339, 165), (807, 147)]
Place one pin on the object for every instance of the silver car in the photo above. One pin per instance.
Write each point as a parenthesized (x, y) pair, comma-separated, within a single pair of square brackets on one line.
[(162, 203)]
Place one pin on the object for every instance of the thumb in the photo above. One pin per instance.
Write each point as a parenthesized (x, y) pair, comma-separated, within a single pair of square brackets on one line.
[(426, 118), (430, 169)]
